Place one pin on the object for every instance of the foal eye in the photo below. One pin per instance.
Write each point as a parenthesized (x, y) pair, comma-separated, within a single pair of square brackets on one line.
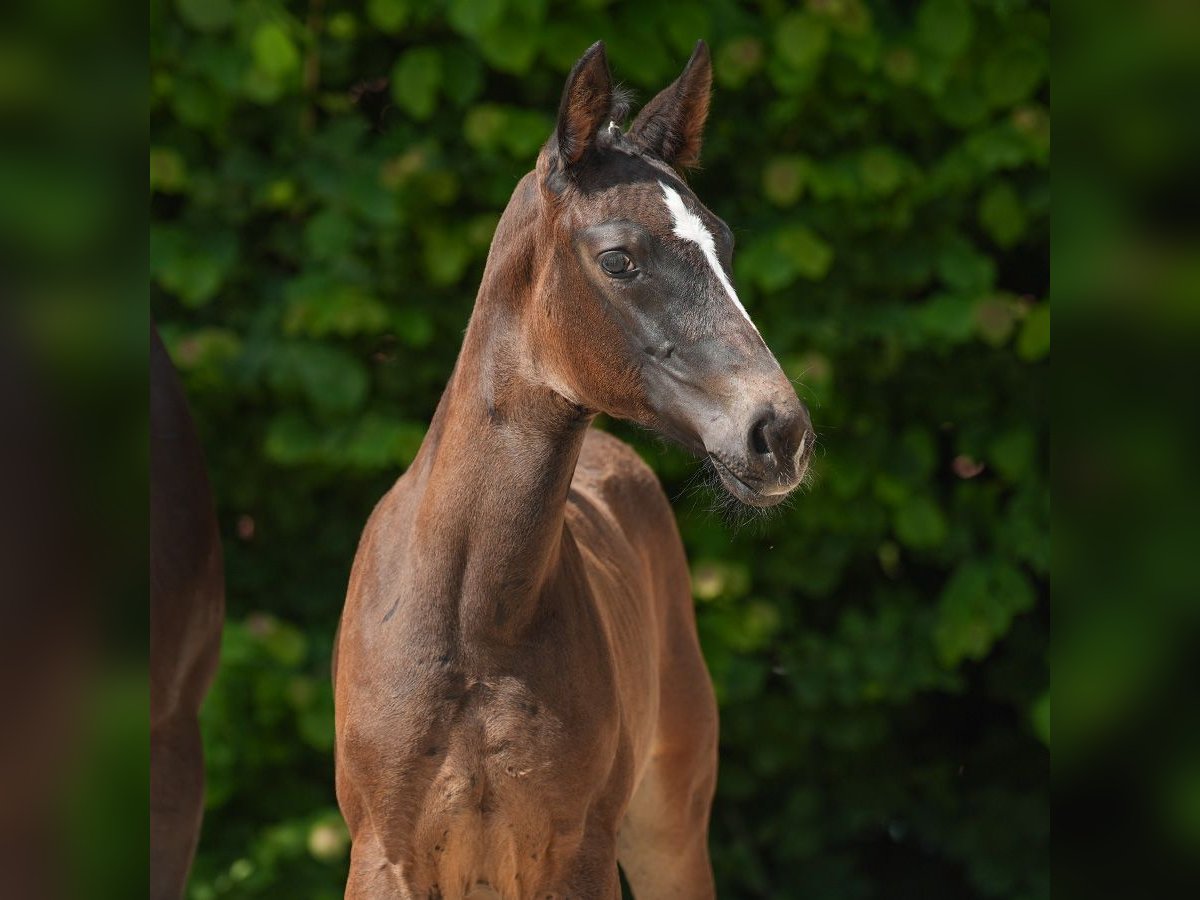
[(614, 262)]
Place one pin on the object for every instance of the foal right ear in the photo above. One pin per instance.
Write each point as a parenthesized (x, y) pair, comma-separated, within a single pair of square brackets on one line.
[(671, 126), (586, 101)]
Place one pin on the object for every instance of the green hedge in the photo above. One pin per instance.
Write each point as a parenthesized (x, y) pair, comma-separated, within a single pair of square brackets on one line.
[(325, 178)]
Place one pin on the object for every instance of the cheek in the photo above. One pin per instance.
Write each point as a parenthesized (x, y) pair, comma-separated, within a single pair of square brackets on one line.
[(579, 337)]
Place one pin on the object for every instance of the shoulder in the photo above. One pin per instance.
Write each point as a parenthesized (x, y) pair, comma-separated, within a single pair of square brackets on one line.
[(611, 470), (605, 457), (614, 493)]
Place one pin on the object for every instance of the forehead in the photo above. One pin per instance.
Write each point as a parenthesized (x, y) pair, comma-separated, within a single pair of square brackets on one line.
[(620, 185)]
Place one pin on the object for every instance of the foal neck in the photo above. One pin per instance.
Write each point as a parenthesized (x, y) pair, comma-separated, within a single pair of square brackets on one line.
[(493, 473)]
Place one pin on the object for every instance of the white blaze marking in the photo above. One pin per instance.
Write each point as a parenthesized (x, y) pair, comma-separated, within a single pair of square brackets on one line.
[(688, 226)]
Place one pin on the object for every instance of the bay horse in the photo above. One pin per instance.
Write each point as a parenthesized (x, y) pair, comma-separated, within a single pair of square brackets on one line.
[(187, 610), (520, 697)]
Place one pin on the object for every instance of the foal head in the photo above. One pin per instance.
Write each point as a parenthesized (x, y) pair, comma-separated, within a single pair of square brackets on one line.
[(633, 310)]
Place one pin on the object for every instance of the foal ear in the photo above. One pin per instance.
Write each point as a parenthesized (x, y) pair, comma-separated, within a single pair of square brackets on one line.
[(586, 102), (671, 126)]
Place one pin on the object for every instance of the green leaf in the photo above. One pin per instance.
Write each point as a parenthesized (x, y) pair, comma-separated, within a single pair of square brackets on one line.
[(262, 87), (945, 27), (329, 838), (801, 40), (525, 132), (483, 126), (415, 81), (920, 524), (279, 194), (947, 317), (834, 179), (446, 255), (737, 61), (763, 263), (737, 678), (714, 578), (197, 104), (204, 352), (329, 234), (291, 440), (1001, 215), (882, 170), (1012, 454), (343, 26), (784, 178), (1023, 531), (474, 17), (388, 16), (686, 23), (315, 725), (1013, 72), (192, 266), (274, 51), (790, 252), (976, 609), (413, 326), (757, 621), (1039, 718), (168, 171), (285, 642), (332, 381), (964, 268), (995, 319), (810, 256), (320, 306), (999, 147), (901, 65), (206, 15), (890, 489), (961, 105), (371, 443), (509, 46), (1033, 343), (463, 75), (918, 455), (378, 442), (531, 12), (560, 42)]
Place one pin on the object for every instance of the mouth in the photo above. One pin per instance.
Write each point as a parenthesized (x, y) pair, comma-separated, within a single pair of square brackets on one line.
[(743, 491)]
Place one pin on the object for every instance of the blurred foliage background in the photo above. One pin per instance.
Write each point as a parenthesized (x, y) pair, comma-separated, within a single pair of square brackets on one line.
[(325, 178)]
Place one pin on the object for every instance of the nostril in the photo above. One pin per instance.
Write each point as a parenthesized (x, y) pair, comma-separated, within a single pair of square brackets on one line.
[(790, 439), (758, 436)]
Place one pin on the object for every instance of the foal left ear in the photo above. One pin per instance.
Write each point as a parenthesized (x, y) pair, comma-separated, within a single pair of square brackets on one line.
[(671, 126), (586, 102)]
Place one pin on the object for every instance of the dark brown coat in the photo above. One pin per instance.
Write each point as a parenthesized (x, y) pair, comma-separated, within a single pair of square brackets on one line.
[(187, 609), (521, 699)]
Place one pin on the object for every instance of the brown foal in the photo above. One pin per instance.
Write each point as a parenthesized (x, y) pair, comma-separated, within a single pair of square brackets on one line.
[(521, 700), (187, 608)]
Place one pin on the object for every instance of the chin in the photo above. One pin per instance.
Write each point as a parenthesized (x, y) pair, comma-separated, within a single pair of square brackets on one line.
[(745, 493)]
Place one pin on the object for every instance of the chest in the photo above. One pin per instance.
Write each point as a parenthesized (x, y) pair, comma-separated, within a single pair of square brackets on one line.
[(487, 770)]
